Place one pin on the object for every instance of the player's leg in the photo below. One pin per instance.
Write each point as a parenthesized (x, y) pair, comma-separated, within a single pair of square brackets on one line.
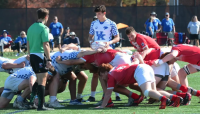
[(82, 77), (186, 70), (5, 99), (197, 42), (94, 84), (1, 90)]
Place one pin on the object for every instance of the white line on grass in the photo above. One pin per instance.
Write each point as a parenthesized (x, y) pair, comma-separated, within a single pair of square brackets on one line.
[(63, 101)]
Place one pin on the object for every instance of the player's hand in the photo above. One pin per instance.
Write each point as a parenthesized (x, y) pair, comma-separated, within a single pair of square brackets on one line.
[(99, 107), (107, 44), (48, 64), (22, 64), (102, 49), (155, 63), (61, 50), (58, 59)]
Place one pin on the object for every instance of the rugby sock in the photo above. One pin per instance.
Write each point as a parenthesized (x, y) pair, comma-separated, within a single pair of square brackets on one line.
[(173, 97), (41, 92), (133, 95), (93, 93), (197, 93), (182, 88), (78, 96), (181, 94), (110, 100), (20, 99), (162, 98), (52, 98), (34, 92), (116, 94)]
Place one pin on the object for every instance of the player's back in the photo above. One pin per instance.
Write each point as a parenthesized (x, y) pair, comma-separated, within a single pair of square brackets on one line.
[(23, 73), (150, 41)]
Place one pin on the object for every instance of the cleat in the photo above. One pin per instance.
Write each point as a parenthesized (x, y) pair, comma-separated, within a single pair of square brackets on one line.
[(75, 102), (55, 104), (130, 102), (151, 101), (118, 98), (187, 99), (81, 100), (111, 104), (98, 103), (164, 103), (91, 99), (15, 103), (171, 103), (44, 109), (178, 101), (139, 100)]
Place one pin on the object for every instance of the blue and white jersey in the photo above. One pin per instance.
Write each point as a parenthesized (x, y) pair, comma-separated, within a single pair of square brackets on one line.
[(23, 73), (62, 68), (4, 60), (103, 31), (20, 60)]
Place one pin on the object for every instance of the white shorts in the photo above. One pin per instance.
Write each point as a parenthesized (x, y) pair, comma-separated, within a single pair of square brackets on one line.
[(144, 73), (121, 58), (196, 66), (11, 87), (175, 70), (62, 68), (161, 71)]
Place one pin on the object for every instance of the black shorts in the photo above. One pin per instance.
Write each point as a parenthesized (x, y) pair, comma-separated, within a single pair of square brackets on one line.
[(194, 36), (38, 64)]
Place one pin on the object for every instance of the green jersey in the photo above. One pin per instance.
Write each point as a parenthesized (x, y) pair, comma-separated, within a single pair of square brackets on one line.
[(37, 35)]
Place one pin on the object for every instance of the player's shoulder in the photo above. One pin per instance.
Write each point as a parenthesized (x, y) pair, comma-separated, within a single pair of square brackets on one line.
[(110, 22), (94, 22)]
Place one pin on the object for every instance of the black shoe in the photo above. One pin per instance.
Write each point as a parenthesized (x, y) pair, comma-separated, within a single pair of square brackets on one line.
[(187, 99), (81, 100), (118, 98), (91, 99), (44, 109)]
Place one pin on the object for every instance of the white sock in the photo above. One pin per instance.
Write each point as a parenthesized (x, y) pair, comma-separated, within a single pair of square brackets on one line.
[(93, 93), (52, 98), (117, 94), (78, 96)]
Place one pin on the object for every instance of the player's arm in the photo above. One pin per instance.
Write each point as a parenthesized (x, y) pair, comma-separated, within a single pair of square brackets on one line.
[(70, 62), (61, 31), (91, 38), (91, 33), (106, 98), (46, 50), (115, 39), (145, 25), (32, 80), (167, 58), (83, 53), (151, 30), (13, 65)]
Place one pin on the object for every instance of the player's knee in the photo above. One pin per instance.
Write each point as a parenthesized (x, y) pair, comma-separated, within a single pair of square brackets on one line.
[(146, 93), (186, 69)]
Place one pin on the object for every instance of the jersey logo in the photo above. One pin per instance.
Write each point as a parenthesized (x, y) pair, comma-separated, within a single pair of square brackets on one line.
[(105, 27), (142, 44), (100, 36)]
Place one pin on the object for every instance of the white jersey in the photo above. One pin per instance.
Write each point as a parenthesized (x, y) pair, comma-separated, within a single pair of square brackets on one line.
[(62, 68), (4, 60), (23, 73), (20, 60), (103, 31)]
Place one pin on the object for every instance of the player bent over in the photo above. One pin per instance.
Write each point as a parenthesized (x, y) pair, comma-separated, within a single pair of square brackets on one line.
[(22, 79)]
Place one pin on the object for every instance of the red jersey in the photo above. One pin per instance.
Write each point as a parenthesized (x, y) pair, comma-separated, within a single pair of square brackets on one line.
[(122, 75), (188, 53), (142, 41), (152, 56), (100, 58)]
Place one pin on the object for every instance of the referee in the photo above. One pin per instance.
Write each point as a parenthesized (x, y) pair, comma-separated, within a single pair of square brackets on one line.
[(39, 51)]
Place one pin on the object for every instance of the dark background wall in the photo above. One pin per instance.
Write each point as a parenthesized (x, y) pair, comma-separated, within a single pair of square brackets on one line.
[(78, 15)]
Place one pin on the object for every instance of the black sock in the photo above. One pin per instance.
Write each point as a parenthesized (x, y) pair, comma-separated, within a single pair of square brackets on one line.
[(34, 91), (41, 90)]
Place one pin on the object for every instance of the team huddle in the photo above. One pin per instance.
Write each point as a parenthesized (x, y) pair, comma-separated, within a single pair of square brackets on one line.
[(149, 70)]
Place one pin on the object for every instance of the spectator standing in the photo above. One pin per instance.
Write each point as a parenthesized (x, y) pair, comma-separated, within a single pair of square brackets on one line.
[(150, 27), (5, 41), (168, 26), (56, 29), (156, 23), (20, 43), (193, 29)]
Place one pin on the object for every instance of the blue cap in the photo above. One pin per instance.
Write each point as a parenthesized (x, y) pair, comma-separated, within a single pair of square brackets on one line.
[(4, 31)]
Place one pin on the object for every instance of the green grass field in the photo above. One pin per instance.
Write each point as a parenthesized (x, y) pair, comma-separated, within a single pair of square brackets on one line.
[(119, 107)]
